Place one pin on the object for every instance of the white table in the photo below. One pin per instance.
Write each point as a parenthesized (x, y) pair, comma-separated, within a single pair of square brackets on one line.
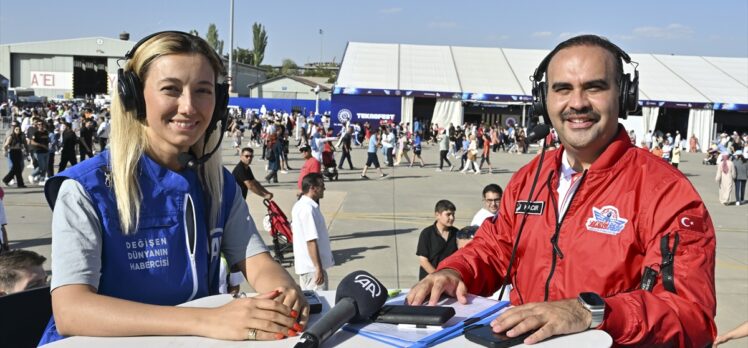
[(590, 338)]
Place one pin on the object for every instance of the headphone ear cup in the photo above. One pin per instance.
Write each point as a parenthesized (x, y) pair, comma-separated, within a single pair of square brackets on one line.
[(538, 105), (633, 93), (131, 92), (623, 96), (219, 111), (125, 96)]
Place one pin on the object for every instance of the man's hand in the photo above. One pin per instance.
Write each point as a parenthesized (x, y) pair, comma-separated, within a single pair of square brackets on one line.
[(319, 277), (268, 196), (445, 281), (549, 318)]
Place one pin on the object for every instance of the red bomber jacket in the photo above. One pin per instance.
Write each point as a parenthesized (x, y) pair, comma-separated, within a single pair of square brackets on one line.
[(628, 200)]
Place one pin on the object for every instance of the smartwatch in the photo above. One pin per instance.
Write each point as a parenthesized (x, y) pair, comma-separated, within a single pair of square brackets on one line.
[(595, 304)]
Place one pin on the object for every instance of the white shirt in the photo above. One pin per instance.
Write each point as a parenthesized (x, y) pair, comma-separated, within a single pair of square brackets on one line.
[(481, 216), (567, 184), (309, 224), (103, 130)]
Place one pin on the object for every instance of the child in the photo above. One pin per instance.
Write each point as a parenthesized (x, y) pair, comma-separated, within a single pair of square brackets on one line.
[(438, 240), (465, 235)]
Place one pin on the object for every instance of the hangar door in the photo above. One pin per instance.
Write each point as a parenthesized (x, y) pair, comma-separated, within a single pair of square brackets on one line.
[(89, 76)]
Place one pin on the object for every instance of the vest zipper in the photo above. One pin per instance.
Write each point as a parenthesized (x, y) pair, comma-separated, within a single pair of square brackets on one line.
[(190, 230)]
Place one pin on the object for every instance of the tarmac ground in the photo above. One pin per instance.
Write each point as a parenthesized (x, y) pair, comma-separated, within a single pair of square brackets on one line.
[(374, 224)]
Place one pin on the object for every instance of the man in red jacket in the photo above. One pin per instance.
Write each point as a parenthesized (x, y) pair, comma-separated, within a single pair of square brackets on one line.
[(612, 237)]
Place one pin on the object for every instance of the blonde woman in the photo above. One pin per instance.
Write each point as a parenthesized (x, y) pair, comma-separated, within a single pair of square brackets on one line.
[(140, 228)]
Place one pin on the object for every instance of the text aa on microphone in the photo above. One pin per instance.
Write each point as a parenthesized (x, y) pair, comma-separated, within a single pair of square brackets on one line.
[(358, 297)]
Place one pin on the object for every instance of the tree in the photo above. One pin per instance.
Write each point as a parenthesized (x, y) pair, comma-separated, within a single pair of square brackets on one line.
[(212, 38), (289, 67), (260, 41), (243, 55), (194, 32)]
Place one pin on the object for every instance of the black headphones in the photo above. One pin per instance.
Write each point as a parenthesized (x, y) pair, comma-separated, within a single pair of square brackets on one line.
[(628, 99), (130, 88)]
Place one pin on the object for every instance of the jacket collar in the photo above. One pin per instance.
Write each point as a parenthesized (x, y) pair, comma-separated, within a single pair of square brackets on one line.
[(610, 156)]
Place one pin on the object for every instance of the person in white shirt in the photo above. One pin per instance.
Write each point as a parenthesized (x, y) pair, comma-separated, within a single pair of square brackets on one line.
[(103, 133), (491, 199), (311, 242)]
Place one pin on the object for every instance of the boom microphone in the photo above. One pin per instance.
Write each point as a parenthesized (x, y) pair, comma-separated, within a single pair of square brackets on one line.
[(359, 296), (188, 160), (538, 132)]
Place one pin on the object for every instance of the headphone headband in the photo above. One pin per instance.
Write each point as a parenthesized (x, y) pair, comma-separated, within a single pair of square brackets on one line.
[(628, 87), (598, 41), (130, 87)]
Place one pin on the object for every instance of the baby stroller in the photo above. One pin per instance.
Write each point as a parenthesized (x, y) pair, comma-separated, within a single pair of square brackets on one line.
[(330, 166), (279, 228)]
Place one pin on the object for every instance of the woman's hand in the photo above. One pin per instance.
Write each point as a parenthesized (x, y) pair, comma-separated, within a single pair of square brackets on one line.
[(266, 315), (294, 298)]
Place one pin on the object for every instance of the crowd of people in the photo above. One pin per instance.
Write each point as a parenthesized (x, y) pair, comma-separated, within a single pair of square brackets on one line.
[(38, 134), (398, 144)]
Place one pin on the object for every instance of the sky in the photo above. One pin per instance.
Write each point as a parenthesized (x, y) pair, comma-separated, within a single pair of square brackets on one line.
[(687, 27)]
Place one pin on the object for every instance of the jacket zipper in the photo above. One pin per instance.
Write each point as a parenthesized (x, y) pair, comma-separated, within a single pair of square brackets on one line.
[(554, 239)]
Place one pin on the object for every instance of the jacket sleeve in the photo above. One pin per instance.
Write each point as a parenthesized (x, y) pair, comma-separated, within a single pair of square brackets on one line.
[(482, 263), (684, 318)]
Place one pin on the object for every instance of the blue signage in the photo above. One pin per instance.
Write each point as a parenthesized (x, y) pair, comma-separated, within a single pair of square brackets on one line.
[(363, 108), (280, 105)]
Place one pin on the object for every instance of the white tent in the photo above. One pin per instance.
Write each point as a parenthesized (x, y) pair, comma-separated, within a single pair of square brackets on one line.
[(455, 73)]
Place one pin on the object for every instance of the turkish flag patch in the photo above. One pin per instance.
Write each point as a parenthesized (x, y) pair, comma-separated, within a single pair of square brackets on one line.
[(691, 222)]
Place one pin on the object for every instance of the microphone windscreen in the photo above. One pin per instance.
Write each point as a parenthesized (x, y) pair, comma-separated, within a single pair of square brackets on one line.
[(538, 132), (367, 292)]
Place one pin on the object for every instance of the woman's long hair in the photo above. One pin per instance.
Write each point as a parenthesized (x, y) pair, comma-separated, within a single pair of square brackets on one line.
[(128, 140)]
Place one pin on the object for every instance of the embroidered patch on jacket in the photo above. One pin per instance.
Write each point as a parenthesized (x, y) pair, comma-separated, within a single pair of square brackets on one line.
[(606, 220)]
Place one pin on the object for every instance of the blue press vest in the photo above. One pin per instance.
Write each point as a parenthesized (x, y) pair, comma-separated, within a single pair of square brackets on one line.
[(157, 264)]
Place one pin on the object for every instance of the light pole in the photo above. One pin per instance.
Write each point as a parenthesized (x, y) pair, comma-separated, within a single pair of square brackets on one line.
[(231, 48), (320, 47)]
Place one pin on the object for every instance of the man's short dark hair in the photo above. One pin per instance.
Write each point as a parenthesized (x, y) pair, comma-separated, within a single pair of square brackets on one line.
[(444, 205), (311, 180), (595, 41), (14, 260), (493, 188), (467, 232), (248, 149)]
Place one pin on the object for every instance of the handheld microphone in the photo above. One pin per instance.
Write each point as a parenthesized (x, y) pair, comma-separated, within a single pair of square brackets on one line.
[(359, 296), (538, 132)]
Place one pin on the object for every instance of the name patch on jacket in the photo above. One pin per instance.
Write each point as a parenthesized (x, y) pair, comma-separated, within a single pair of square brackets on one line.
[(529, 207), (606, 220)]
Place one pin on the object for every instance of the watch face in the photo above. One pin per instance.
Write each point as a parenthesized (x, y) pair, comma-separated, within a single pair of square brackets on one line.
[(592, 299)]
